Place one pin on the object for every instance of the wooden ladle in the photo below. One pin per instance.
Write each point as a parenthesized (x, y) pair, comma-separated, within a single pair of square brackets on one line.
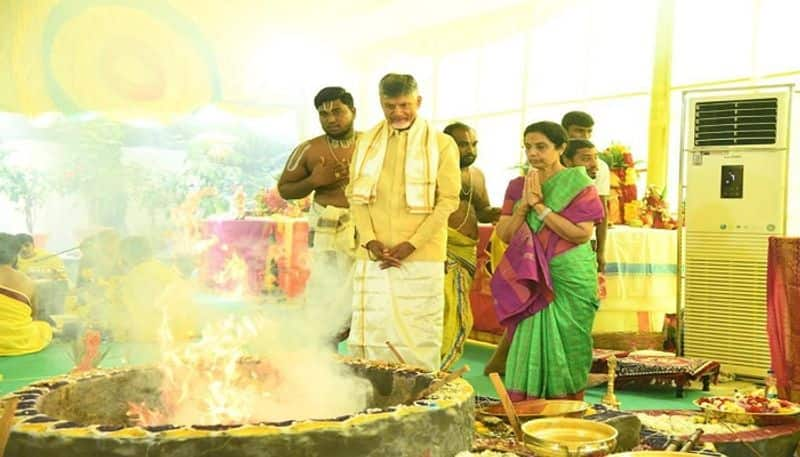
[(6, 421), (508, 406)]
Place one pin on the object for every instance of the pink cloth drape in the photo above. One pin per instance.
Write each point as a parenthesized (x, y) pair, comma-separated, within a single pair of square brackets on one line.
[(281, 246), (783, 314)]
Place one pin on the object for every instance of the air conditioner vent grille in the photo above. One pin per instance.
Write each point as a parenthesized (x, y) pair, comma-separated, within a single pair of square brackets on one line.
[(726, 298), (736, 122)]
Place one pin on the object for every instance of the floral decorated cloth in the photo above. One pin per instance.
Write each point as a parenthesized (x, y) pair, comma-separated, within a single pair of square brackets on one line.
[(658, 365), (680, 370)]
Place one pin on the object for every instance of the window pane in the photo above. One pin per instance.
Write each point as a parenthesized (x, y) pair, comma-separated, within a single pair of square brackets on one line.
[(713, 40), (620, 58), (457, 88), (778, 35), (558, 54), (552, 112), (625, 121), (621, 120), (500, 83), (499, 146)]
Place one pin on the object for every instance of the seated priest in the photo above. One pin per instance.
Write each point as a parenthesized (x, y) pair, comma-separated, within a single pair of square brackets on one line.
[(36, 262), (150, 287), (100, 257), (19, 333)]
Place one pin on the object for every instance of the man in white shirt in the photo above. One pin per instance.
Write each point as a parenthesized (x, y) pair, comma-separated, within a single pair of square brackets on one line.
[(579, 125)]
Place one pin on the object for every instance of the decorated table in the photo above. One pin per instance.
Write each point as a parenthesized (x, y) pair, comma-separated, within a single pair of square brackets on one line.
[(257, 254), (640, 368)]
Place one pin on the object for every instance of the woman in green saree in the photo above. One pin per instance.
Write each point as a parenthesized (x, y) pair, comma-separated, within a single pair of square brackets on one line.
[(545, 288)]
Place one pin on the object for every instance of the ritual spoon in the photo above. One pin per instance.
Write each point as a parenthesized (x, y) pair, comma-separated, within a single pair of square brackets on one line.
[(508, 405)]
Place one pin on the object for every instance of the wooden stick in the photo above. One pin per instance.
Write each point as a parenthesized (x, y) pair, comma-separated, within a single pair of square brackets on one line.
[(9, 408), (692, 441), (436, 385), (396, 353), (508, 406), (56, 254)]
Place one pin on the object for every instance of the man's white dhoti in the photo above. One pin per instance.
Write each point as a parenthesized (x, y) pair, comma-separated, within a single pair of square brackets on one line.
[(404, 306), (329, 293)]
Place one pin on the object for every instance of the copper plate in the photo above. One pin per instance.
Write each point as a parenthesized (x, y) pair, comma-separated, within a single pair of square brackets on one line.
[(654, 454), (529, 409)]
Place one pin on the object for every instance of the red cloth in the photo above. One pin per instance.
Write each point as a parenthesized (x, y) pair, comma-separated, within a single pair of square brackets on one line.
[(783, 314), (483, 314)]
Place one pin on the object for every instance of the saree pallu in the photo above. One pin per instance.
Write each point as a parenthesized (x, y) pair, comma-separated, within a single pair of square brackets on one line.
[(461, 265), (551, 353), (546, 292), (19, 333)]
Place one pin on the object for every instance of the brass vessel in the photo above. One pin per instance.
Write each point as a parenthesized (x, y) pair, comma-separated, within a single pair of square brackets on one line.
[(568, 437)]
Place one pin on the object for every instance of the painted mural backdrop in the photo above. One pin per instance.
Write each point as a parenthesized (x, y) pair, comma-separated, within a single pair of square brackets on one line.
[(155, 58)]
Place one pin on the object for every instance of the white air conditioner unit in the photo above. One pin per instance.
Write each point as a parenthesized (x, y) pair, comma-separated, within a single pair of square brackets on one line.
[(735, 174)]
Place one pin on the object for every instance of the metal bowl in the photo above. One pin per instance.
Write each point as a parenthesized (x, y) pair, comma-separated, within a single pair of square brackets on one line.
[(568, 437)]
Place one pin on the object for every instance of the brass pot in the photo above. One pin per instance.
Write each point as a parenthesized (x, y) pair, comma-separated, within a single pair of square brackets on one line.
[(568, 437)]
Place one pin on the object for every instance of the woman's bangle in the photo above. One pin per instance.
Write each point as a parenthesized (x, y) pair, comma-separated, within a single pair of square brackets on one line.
[(544, 213)]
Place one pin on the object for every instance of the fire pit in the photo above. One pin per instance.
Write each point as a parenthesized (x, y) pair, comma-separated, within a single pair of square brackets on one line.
[(89, 415)]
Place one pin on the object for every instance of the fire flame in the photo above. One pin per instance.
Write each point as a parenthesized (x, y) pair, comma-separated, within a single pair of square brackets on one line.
[(233, 276), (210, 381), (213, 380)]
